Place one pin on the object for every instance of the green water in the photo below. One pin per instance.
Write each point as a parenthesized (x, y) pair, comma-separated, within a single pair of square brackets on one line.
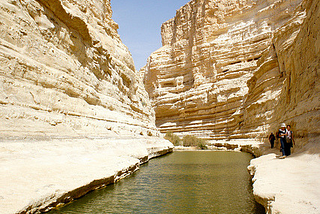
[(181, 182)]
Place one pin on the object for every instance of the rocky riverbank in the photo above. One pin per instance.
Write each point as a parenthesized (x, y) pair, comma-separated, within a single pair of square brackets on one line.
[(36, 176), (290, 185), (286, 186)]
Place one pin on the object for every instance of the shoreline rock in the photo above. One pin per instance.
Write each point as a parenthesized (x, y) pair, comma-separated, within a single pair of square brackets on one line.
[(287, 185), (252, 146), (37, 176), (282, 186)]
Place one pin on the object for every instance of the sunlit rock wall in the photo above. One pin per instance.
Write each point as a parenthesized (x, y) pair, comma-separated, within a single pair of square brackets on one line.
[(236, 69), (64, 73)]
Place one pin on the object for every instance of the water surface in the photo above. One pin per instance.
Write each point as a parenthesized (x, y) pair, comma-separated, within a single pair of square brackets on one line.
[(181, 182)]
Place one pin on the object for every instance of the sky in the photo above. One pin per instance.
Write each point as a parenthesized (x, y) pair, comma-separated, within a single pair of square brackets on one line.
[(140, 24)]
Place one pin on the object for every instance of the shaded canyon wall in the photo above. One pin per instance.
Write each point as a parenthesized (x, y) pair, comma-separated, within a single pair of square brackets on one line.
[(237, 69), (64, 73)]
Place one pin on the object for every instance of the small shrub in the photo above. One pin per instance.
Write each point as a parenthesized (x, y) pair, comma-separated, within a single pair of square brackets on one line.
[(202, 146), (174, 139), (190, 140)]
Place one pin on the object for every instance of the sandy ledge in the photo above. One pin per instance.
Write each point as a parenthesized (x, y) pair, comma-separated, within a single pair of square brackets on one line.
[(287, 186), (35, 176), (282, 186)]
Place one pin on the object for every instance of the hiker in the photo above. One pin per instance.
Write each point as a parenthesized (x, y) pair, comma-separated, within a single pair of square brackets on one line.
[(289, 140), (271, 139), (282, 136)]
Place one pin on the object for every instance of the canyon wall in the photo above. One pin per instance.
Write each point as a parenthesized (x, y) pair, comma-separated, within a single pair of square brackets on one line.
[(74, 113), (237, 69), (64, 73)]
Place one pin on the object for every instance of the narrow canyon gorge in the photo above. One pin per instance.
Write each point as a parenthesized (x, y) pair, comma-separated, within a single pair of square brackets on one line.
[(237, 69), (76, 115)]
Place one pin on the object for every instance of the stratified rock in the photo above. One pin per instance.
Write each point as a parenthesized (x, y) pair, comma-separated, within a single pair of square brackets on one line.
[(65, 73), (237, 69), (74, 114)]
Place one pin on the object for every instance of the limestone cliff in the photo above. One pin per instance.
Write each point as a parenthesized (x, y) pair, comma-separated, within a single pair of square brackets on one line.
[(236, 69), (74, 113), (65, 73)]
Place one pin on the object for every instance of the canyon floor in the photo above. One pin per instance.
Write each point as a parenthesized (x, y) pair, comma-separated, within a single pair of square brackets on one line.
[(36, 174)]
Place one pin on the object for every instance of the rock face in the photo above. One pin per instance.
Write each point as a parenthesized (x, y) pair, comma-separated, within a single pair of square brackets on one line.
[(64, 73), (74, 113), (237, 69)]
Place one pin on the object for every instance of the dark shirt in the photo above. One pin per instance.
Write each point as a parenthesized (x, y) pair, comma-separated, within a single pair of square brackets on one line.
[(272, 137), (282, 132)]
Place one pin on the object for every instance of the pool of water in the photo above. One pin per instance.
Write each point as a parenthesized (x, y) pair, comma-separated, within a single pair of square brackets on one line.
[(181, 182)]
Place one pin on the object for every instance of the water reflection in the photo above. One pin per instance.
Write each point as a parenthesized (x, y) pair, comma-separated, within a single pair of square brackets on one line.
[(182, 182)]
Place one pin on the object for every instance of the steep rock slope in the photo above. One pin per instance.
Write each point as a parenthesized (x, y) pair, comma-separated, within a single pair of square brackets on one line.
[(65, 73), (74, 114), (294, 97), (236, 69)]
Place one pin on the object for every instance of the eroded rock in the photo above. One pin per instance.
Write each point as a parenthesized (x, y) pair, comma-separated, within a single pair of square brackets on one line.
[(64, 72), (236, 69)]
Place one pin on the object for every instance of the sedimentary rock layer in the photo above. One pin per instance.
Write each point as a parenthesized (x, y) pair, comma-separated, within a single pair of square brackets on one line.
[(65, 73), (236, 69), (74, 114)]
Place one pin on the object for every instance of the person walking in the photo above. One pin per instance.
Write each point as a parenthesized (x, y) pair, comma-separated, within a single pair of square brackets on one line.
[(289, 140), (271, 139), (282, 136)]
